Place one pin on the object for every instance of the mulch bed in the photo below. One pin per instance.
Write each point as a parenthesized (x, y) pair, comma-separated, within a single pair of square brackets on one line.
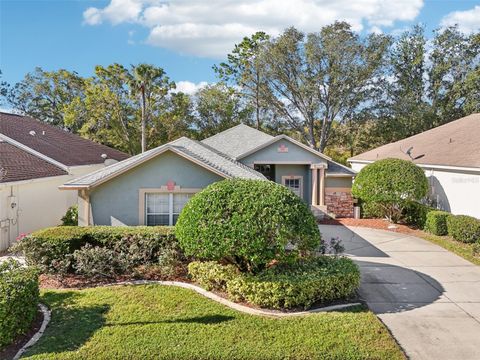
[(75, 282), (11, 350), (381, 224)]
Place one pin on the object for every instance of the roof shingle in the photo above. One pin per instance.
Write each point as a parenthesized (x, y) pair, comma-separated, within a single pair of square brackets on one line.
[(237, 140), (57, 144), (190, 148), (17, 165), (453, 144)]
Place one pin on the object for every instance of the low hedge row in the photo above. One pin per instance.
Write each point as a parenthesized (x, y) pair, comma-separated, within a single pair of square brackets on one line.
[(56, 250), (19, 296), (461, 227), (436, 222), (321, 279), (464, 228)]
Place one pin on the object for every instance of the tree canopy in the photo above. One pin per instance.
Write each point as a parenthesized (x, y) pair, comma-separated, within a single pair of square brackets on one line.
[(335, 90)]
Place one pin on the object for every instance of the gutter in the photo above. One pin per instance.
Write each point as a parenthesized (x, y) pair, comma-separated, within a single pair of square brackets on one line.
[(428, 166)]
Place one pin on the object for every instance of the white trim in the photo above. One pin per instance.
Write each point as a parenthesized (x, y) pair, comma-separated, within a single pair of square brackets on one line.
[(283, 137), (428, 166), (33, 152)]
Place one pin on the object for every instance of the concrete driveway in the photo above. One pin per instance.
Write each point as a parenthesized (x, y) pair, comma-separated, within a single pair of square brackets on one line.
[(428, 297)]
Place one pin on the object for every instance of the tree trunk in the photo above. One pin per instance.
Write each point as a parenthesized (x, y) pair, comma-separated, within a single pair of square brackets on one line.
[(144, 142)]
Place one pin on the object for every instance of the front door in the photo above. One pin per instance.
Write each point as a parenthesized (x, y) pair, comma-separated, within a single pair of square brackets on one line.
[(294, 183)]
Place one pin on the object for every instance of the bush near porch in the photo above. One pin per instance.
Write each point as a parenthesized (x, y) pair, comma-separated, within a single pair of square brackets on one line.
[(392, 188), (247, 223)]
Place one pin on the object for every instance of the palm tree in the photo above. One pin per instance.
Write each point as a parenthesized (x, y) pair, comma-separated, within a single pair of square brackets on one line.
[(149, 83)]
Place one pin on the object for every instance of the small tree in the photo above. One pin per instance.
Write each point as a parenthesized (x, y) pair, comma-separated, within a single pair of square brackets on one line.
[(392, 184), (247, 223)]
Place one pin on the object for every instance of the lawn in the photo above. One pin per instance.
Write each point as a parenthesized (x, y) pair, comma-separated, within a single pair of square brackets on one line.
[(154, 321)]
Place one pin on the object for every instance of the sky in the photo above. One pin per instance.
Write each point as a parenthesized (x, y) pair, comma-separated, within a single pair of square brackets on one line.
[(186, 37)]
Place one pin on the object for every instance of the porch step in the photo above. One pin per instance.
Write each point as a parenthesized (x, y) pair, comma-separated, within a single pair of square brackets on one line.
[(320, 212)]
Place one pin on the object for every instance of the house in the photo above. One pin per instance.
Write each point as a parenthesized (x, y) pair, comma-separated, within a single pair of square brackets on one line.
[(152, 188), (35, 158), (450, 156)]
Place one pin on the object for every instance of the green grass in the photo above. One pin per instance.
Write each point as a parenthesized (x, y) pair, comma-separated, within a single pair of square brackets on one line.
[(160, 322), (461, 249)]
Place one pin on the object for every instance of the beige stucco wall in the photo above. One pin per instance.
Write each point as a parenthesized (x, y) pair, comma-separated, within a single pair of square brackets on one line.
[(39, 202)]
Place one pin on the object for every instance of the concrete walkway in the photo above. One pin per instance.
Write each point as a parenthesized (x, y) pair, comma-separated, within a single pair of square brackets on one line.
[(428, 297)]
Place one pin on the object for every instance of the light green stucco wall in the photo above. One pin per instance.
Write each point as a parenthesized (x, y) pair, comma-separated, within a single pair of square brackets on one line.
[(338, 182), (271, 154), (297, 170), (116, 202)]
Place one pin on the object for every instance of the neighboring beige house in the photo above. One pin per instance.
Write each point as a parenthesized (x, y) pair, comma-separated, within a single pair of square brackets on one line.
[(450, 156), (35, 158)]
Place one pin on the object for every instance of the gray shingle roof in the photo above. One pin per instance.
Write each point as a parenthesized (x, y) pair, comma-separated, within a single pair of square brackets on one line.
[(237, 140), (335, 168), (194, 150)]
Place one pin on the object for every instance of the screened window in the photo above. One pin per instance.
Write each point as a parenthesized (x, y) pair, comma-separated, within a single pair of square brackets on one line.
[(164, 208)]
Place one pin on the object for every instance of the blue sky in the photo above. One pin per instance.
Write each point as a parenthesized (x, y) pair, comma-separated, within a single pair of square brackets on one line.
[(186, 37)]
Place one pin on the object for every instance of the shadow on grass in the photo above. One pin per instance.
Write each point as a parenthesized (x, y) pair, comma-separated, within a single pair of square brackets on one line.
[(205, 320), (71, 326)]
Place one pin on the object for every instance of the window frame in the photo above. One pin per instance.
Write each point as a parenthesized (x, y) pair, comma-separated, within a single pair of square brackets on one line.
[(142, 208), (294, 177)]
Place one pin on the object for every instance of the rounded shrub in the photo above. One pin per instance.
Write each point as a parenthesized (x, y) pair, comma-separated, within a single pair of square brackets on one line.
[(392, 184), (436, 222), (247, 223), (322, 279), (19, 296), (464, 228)]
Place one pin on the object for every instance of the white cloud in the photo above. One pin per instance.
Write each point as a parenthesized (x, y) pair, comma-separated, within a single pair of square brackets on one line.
[(189, 87), (468, 21), (211, 28)]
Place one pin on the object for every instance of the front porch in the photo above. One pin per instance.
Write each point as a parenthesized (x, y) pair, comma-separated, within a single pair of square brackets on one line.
[(327, 194)]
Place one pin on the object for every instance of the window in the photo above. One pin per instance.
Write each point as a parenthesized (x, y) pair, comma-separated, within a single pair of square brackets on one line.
[(164, 208), (294, 183)]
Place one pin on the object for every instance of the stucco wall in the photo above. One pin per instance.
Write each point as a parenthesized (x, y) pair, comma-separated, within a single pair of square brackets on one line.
[(455, 191), (39, 202), (116, 202), (296, 170), (338, 182), (272, 155)]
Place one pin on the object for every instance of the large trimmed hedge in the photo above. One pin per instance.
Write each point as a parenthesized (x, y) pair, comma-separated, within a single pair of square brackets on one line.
[(52, 249), (248, 223), (321, 279), (464, 228), (392, 184), (19, 297)]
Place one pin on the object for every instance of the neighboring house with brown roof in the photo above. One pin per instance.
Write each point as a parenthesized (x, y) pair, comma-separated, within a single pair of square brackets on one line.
[(35, 158), (450, 156), (151, 188)]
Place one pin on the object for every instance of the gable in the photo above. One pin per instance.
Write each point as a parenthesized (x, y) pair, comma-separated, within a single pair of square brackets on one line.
[(283, 150)]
